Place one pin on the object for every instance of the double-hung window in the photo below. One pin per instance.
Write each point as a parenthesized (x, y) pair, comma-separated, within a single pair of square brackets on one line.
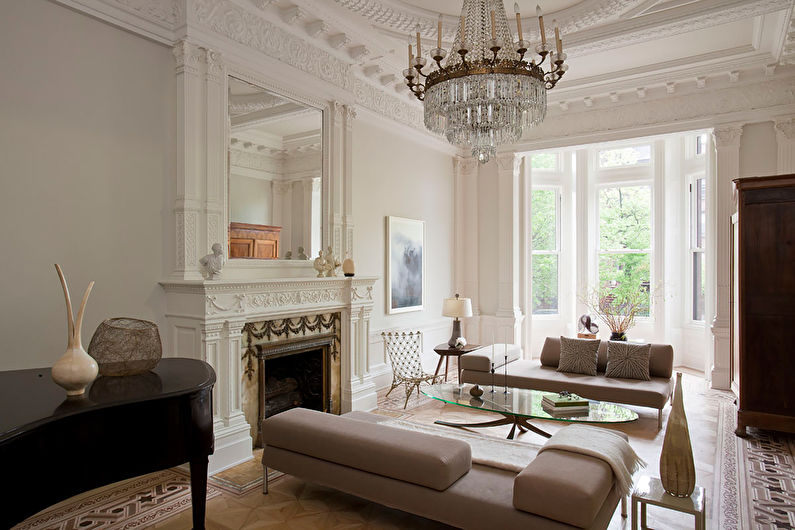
[(545, 222), (625, 235), (698, 227)]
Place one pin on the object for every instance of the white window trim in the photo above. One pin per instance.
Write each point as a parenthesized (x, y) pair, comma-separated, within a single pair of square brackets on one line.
[(691, 250), (558, 189), (641, 176)]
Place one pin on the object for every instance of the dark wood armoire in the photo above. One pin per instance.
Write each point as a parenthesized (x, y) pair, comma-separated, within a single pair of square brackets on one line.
[(763, 316)]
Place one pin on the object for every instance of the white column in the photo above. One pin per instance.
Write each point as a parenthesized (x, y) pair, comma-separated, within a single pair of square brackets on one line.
[(465, 247), (509, 313), (282, 215), (317, 237), (190, 63), (358, 387), (232, 432), (785, 137), (345, 248), (307, 185), (215, 149), (583, 243), (335, 146), (727, 148)]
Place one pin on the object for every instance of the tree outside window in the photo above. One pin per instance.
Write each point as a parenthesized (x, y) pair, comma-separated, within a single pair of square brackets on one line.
[(625, 241), (545, 218)]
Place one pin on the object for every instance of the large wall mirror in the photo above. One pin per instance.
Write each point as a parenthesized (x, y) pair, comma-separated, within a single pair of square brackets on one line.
[(275, 175)]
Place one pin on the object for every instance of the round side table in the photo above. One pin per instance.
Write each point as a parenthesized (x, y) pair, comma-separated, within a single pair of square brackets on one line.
[(445, 352)]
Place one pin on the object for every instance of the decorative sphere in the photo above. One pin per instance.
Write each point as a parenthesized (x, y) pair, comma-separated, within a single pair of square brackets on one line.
[(126, 346)]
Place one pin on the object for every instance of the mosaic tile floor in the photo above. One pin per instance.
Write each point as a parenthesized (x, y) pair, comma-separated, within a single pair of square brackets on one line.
[(766, 498)]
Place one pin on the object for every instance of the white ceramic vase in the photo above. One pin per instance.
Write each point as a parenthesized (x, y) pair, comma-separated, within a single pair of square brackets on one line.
[(76, 369)]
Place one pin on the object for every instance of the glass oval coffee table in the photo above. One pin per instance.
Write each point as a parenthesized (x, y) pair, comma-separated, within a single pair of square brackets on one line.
[(519, 405)]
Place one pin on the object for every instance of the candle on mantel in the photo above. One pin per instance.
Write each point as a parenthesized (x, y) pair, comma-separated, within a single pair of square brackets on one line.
[(493, 27), (439, 33), (518, 19), (558, 42), (419, 49), (541, 24)]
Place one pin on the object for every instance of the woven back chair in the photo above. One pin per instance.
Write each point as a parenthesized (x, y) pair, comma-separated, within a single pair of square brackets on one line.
[(403, 349)]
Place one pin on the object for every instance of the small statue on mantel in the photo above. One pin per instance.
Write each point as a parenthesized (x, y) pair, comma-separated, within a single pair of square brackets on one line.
[(213, 263), (332, 263), (289, 255), (302, 253), (320, 264)]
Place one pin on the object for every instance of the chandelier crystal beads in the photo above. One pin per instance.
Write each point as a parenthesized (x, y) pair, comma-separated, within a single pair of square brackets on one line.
[(486, 92)]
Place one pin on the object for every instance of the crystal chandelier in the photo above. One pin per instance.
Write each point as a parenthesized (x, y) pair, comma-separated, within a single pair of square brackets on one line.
[(485, 93)]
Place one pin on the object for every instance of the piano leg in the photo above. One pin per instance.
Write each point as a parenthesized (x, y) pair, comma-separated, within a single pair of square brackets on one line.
[(198, 491)]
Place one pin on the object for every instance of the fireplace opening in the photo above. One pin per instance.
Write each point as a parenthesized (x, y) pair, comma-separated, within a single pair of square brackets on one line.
[(293, 373)]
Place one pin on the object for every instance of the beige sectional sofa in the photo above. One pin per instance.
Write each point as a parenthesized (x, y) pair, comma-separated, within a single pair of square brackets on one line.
[(542, 374), (434, 477)]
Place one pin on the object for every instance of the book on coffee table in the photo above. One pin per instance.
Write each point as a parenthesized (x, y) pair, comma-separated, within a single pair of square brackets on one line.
[(566, 400), (567, 412)]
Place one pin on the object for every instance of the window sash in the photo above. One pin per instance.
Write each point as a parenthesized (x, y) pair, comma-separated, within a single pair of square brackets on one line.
[(549, 252)]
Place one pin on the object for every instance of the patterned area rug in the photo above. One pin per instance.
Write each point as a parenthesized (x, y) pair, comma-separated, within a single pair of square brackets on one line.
[(138, 503), (767, 465)]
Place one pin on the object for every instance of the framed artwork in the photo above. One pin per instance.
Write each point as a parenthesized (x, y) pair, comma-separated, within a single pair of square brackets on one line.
[(405, 265)]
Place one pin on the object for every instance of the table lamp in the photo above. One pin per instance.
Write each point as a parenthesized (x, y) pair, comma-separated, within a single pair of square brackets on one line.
[(457, 308)]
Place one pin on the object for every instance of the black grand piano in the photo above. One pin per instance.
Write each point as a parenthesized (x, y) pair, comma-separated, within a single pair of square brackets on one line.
[(52, 448)]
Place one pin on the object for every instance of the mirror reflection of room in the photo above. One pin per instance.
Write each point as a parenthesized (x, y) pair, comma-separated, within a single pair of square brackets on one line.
[(275, 175)]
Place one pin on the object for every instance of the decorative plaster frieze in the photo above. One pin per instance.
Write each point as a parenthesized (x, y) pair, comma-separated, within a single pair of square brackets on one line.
[(317, 28), (358, 52), (339, 40), (231, 21), (728, 135), (247, 159), (786, 127), (702, 105), (291, 14), (188, 57)]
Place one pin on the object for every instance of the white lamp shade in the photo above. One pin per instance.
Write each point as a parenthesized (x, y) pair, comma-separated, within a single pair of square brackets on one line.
[(457, 307)]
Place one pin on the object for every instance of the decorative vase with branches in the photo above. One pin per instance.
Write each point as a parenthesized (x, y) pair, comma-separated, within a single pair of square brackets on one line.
[(618, 308)]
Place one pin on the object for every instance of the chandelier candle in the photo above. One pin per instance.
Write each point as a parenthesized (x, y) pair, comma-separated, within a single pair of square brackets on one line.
[(484, 91), (541, 25), (558, 42), (518, 20), (439, 33)]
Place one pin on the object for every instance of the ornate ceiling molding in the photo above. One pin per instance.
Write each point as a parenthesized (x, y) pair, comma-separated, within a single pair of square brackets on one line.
[(714, 106), (244, 27), (403, 18)]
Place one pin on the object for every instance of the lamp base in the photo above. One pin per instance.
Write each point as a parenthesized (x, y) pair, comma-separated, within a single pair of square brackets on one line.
[(456, 333)]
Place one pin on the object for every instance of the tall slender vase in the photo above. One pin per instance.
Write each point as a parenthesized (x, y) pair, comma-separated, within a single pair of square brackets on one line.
[(677, 470), (76, 369)]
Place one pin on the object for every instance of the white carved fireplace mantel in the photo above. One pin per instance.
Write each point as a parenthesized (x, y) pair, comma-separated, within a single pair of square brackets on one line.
[(206, 319)]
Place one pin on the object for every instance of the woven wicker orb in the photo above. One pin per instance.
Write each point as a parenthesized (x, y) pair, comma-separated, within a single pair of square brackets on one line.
[(126, 346)]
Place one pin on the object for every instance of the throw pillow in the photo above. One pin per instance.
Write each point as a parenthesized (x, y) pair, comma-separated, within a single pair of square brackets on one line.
[(578, 356), (627, 360)]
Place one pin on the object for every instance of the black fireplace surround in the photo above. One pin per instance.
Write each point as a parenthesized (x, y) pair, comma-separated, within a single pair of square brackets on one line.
[(293, 373)]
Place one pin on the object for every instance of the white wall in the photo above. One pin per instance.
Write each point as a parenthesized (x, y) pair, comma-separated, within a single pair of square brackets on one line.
[(394, 175), (88, 157), (758, 150), (251, 200)]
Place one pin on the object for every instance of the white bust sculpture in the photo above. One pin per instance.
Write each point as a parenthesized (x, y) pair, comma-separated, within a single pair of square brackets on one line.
[(214, 263)]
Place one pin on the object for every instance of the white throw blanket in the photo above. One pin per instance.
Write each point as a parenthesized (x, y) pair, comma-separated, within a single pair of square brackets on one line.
[(603, 444), (486, 450)]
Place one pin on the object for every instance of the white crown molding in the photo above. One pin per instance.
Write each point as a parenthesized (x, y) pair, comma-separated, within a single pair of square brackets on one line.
[(154, 19), (687, 110)]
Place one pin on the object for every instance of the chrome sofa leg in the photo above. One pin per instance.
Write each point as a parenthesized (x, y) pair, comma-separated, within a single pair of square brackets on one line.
[(264, 479), (624, 507)]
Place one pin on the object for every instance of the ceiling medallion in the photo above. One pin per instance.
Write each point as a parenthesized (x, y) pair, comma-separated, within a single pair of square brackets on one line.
[(486, 92)]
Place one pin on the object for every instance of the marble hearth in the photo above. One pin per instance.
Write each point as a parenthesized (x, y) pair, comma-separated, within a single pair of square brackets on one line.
[(206, 321)]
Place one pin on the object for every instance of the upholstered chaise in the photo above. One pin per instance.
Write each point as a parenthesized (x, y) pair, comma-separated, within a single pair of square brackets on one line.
[(434, 477), (543, 375)]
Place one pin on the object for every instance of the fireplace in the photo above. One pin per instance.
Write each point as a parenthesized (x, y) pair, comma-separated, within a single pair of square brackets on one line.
[(293, 373)]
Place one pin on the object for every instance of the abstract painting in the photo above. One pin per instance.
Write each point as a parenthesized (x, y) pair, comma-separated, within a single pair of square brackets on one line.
[(405, 268)]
